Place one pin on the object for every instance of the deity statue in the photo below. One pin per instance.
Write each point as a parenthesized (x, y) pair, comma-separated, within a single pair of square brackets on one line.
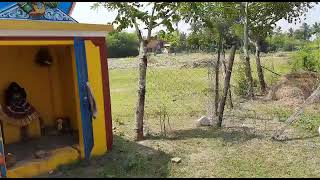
[(17, 111)]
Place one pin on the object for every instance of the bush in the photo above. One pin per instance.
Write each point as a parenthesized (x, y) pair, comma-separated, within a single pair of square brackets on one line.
[(122, 44), (305, 59), (241, 88)]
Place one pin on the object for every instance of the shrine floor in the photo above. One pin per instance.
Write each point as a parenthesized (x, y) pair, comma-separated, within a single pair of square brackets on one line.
[(52, 150)]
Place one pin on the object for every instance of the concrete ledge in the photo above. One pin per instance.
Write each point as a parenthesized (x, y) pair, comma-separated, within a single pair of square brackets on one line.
[(35, 167)]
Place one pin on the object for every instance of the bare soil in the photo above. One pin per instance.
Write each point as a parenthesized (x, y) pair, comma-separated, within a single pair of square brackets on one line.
[(294, 88)]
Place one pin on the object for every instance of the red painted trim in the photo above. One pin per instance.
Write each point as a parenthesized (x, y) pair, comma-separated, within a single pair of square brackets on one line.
[(72, 7), (106, 88)]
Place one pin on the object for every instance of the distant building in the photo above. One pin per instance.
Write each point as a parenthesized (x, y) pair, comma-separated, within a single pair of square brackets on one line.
[(158, 46)]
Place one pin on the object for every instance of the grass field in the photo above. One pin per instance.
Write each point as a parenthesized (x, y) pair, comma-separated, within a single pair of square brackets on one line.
[(242, 149)]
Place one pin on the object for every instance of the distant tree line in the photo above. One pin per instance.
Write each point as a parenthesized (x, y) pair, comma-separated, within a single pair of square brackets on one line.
[(124, 44)]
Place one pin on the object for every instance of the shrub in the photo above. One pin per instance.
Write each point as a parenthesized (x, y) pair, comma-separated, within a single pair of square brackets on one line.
[(122, 44), (241, 87), (305, 59)]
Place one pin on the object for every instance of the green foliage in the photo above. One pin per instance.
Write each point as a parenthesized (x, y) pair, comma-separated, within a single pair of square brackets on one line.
[(215, 19), (306, 59), (316, 29), (284, 42), (122, 44), (263, 16), (309, 122), (130, 13), (241, 81), (303, 33), (200, 41)]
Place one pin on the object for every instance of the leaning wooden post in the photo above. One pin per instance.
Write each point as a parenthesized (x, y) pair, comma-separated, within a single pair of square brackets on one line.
[(226, 85), (311, 99)]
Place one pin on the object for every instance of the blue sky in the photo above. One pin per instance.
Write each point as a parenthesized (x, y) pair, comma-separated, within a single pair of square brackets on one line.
[(83, 14)]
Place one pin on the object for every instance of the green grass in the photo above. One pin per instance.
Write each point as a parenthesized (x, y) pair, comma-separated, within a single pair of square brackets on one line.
[(205, 152)]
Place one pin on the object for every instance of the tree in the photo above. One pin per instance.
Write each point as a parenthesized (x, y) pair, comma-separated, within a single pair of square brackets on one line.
[(136, 14), (122, 44), (246, 47), (215, 17), (263, 17), (226, 83), (174, 38), (298, 34), (316, 31), (200, 38), (290, 34), (303, 33), (306, 31)]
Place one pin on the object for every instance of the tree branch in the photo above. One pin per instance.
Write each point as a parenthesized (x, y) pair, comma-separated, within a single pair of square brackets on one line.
[(172, 12), (137, 30), (151, 21)]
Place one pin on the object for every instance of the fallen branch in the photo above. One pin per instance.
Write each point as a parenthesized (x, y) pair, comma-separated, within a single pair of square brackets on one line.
[(310, 100)]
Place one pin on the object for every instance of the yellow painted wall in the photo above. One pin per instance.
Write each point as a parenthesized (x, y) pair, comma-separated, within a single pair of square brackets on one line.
[(58, 98), (95, 80), (49, 89)]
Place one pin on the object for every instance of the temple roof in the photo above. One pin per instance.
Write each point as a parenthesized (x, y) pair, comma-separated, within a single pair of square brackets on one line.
[(38, 11), (45, 19)]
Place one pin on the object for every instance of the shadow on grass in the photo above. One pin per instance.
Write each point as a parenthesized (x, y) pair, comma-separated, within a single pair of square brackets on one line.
[(229, 135), (127, 159), (297, 138)]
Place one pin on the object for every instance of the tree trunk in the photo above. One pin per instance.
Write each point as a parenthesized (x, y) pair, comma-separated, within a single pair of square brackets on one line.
[(259, 69), (141, 90), (246, 51), (225, 72), (226, 85), (216, 88)]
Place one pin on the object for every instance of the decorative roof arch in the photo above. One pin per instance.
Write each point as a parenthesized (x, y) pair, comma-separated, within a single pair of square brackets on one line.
[(39, 11)]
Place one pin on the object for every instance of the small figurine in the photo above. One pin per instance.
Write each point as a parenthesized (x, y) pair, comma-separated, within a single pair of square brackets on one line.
[(41, 154), (43, 57), (10, 160), (64, 126)]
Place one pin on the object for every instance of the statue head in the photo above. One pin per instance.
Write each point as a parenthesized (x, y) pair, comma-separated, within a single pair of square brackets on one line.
[(15, 94)]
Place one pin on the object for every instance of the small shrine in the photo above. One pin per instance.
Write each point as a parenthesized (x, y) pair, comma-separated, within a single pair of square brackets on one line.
[(54, 88)]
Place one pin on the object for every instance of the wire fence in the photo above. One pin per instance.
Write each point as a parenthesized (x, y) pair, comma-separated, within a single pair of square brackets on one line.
[(179, 90)]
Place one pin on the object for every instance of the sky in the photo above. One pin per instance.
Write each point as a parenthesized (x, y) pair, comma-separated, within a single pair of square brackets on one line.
[(84, 14)]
